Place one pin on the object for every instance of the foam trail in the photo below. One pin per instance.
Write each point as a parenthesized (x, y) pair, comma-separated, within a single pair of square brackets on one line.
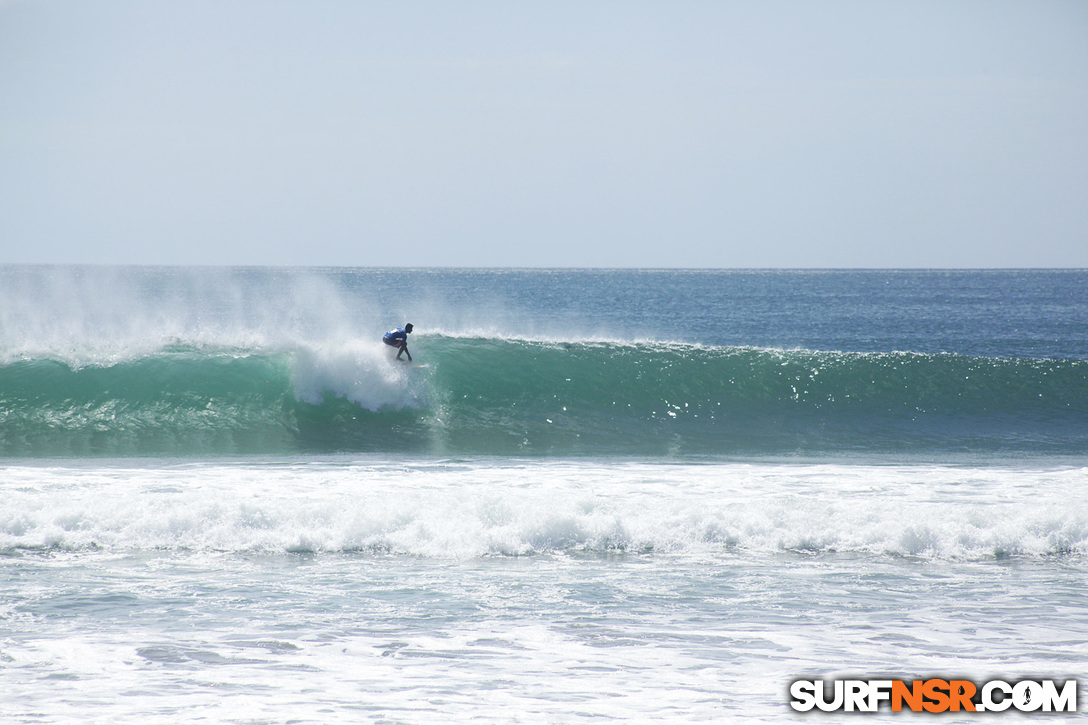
[(357, 371)]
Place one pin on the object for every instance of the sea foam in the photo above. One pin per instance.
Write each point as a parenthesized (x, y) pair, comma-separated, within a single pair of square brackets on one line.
[(456, 511)]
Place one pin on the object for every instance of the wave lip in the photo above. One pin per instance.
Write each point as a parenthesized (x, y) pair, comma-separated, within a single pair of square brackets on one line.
[(511, 396)]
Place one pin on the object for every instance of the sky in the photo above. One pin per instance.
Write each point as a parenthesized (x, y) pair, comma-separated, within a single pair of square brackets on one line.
[(567, 133)]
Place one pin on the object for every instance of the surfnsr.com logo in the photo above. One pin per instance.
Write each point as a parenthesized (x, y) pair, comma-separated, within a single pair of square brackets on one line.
[(934, 695)]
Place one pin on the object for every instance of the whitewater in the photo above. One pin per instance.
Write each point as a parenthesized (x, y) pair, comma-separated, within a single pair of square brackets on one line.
[(618, 495)]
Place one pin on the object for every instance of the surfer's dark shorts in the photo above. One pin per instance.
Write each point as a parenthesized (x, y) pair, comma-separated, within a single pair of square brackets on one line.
[(392, 342)]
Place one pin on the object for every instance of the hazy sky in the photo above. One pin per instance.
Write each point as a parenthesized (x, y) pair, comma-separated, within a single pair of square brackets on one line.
[(584, 133)]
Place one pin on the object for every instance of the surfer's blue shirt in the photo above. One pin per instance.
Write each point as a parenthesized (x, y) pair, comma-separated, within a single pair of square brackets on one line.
[(398, 334), (398, 338)]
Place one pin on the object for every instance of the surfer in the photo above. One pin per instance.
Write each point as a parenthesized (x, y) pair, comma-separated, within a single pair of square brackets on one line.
[(398, 338)]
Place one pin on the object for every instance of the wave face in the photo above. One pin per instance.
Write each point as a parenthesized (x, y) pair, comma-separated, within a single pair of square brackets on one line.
[(194, 362), (484, 395)]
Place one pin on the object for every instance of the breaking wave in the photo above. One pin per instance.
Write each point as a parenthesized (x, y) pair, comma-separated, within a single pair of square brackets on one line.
[(486, 395)]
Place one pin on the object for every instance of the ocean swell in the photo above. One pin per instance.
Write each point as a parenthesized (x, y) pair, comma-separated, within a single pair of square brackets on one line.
[(483, 395)]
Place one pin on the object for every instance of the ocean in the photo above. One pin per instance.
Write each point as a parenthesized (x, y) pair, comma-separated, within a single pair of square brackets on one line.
[(601, 495)]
